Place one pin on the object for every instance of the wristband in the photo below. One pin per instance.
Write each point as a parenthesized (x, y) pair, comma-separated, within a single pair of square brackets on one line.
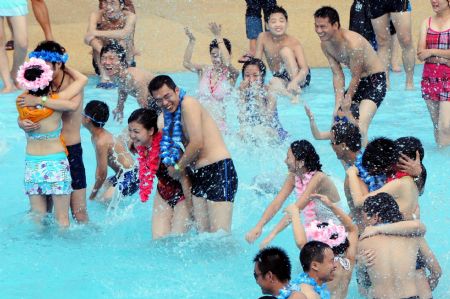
[(43, 100), (176, 167)]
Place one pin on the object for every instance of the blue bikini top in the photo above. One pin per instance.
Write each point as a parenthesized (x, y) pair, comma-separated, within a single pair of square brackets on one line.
[(46, 136)]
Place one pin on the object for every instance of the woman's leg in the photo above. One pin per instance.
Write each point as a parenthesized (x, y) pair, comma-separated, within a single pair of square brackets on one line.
[(8, 86), (19, 26), (181, 218), (161, 218), (433, 108), (38, 204), (444, 123), (62, 203)]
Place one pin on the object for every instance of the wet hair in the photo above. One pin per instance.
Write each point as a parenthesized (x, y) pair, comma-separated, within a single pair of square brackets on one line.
[(214, 44), (32, 74), (313, 251), (117, 49), (341, 248), (347, 133), (160, 81), (408, 146), (379, 156), (303, 150), (275, 260), (259, 63), (330, 13), (276, 9), (148, 118), (383, 205), (51, 46), (97, 112)]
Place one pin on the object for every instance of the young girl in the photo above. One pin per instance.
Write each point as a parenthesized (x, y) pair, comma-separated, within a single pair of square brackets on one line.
[(434, 49), (171, 209), (306, 176), (216, 80), (46, 166), (258, 107)]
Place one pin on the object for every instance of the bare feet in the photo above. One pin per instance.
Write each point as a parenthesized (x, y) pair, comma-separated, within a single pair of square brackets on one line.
[(409, 86), (396, 68)]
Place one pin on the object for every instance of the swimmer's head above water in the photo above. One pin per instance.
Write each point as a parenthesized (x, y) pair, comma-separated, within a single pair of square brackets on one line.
[(95, 113), (345, 138), (113, 58), (142, 126), (302, 158), (254, 70), (214, 51), (53, 53), (381, 209), (317, 259), (35, 76), (380, 156), (277, 21), (165, 92)]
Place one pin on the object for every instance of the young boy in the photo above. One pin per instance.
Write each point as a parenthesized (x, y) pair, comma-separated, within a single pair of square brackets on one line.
[(285, 56), (130, 80), (109, 152)]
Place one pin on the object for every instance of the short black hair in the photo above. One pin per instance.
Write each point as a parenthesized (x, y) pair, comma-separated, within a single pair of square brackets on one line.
[(330, 13), (160, 81), (303, 150), (383, 205), (117, 49), (348, 133), (32, 73), (259, 63), (147, 117), (51, 46), (275, 260), (215, 44), (276, 9), (97, 112), (379, 156), (408, 146), (313, 251)]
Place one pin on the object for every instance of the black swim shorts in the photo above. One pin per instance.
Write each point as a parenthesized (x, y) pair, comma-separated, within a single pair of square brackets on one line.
[(215, 182), (77, 171), (284, 75), (378, 8), (372, 87)]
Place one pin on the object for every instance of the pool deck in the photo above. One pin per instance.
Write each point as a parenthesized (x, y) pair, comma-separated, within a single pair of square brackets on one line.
[(162, 22)]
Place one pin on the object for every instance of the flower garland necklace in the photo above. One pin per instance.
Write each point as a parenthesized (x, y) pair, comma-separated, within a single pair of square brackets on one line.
[(374, 182), (322, 290), (287, 290), (148, 166), (171, 144)]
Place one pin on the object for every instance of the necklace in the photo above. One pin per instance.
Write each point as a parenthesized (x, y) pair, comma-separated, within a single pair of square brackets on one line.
[(213, 88), (60, 84)]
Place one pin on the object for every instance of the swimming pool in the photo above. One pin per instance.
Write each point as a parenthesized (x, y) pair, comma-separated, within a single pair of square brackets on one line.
[(114, 256)]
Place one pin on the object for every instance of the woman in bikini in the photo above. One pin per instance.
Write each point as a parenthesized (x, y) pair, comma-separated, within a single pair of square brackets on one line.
[(171, 210), (46, 166), (216, 80), (306, 177)]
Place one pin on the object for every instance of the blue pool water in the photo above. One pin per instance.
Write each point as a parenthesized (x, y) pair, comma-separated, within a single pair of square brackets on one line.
[(114, 256)]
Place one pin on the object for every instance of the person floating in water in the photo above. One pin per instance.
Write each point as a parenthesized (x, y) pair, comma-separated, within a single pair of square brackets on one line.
[(111, 22), (212, 172), (47, 171), (285, 56), (171, 207), (216, 80), (367, 88), (109, 151), (130, 80), (257, 106), (67, 97)]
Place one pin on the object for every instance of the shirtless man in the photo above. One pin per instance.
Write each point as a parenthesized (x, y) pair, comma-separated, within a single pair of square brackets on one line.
[(285, 56), (212, 173), (131, 80), (367, 87), (64, 83), (318, 263), (111, 23), (392, 274), (272, 273)]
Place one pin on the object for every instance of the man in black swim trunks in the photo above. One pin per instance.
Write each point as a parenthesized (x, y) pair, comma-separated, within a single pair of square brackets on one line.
[(212, 173), (367, 87)]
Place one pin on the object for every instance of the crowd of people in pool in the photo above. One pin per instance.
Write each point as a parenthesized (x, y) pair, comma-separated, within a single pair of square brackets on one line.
[(178, 139)]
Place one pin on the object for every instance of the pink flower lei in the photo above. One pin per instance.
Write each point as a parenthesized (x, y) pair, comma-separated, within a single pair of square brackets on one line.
[(331, 234), (148, 166), (40, 83)]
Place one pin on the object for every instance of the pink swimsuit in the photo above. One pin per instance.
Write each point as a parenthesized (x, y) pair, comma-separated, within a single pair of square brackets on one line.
[(218, 91)]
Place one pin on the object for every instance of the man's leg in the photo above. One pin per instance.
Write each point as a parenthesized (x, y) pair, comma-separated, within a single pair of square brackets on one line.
[(278, 86), (41, 14), (161, 218), (201, 214), (78, 205), (381, 27), (367, 110), (402, 24), (19, 26), (444, 123), (220, 214)]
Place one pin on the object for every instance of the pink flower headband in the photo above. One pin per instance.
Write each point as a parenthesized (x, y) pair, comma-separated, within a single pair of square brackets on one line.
[(40, 83), (318, 232)]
